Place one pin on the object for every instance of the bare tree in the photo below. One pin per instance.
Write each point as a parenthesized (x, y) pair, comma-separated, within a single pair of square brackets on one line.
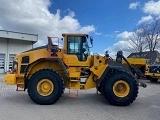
[(137, 43), (151, 33), (145, 37)]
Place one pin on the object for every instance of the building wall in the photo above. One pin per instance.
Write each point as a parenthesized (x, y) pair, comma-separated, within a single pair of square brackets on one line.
[(9, 48), (17, 46)]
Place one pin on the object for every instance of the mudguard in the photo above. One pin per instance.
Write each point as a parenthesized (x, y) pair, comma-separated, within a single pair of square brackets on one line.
[(113, 65)]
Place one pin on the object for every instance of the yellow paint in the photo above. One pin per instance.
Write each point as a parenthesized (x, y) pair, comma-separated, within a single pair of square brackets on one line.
[(74, 85), (74, 74), (98, 71), (45, 87), (121, 88), (138, 62), (72, 60), (90, 83), (10, 79)]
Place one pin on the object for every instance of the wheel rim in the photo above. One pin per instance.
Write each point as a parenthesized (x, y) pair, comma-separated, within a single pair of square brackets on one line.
[(45, 87), (121, 88)]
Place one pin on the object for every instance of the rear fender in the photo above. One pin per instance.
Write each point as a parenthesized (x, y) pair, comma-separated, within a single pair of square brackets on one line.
[(41, 60)]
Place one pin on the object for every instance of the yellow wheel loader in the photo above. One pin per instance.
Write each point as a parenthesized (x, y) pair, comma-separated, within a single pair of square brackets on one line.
[(148, 63), (47, 70)]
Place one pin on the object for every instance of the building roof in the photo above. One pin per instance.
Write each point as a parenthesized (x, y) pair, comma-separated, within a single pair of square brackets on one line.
[(18, 36)]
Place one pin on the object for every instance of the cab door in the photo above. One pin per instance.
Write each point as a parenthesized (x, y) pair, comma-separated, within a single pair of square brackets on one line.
[(74, 46)]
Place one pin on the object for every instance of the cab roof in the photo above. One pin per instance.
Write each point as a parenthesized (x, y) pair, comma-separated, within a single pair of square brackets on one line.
[(74, 34)]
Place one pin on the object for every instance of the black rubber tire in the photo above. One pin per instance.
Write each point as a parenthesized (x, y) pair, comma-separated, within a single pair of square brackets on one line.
[(55, 78), (107, 88), (153, 80)]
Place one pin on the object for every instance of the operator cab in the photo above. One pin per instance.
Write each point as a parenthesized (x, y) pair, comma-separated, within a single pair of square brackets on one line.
[(76, 44)]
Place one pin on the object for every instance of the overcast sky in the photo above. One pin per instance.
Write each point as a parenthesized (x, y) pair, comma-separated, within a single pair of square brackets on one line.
[(109, 22)]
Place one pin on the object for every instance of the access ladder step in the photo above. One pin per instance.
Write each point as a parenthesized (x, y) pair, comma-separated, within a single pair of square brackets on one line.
[(73, 94), (19, 89), (74, 80)]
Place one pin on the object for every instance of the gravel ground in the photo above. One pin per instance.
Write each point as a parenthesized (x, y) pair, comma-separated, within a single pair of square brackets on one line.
[(87, 106)]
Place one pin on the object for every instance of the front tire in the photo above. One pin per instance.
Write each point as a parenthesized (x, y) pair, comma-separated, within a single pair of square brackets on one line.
[(120, 88), (45, 87)]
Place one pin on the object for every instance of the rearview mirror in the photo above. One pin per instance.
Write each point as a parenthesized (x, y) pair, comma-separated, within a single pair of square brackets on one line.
[(91, 40)]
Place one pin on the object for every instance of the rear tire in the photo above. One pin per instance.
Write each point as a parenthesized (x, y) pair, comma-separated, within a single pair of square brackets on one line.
[(120, 88), (45, 87)]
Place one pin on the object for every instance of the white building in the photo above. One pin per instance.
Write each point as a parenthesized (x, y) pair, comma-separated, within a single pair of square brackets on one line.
[(12, 43)]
